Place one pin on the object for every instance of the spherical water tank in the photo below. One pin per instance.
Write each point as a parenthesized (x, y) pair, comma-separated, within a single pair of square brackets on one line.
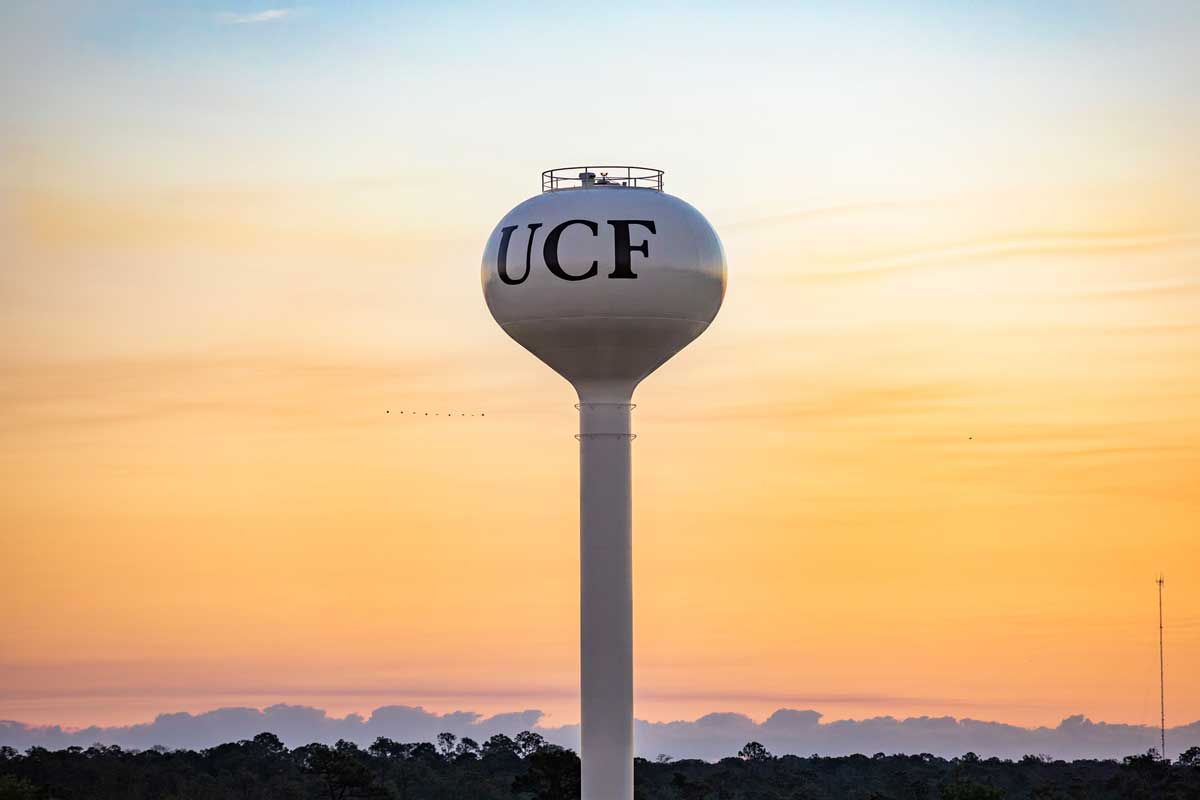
[(603, 279)]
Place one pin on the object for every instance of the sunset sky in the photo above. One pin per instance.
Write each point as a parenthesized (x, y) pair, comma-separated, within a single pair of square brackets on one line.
[(929, 459)]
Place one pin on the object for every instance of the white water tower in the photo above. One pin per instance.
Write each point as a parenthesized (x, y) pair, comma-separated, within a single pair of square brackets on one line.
[(604, 277)]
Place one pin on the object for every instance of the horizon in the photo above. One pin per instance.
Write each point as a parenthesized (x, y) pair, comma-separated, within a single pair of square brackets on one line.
[(927, 461), (453, 710), (715, 735)]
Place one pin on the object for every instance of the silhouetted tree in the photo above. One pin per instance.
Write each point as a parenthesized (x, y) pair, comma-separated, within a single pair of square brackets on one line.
[(499, 745), (753, 751), (445, 744), (467, 748), (266, 743), (343, 773), (384, 747), (552, 774), (1148, 761), (529, 743), (425, 753)]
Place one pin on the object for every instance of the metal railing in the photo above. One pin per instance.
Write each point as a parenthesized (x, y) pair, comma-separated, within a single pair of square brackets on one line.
[(576, 177)]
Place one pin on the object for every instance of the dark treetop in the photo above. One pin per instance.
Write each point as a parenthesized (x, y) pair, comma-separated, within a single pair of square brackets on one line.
[(526, 767)]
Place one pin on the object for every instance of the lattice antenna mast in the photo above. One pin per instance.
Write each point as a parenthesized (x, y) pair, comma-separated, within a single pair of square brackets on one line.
[(1162, 693)]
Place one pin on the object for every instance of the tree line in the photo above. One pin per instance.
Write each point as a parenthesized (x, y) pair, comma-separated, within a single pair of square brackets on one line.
[(527, 767)]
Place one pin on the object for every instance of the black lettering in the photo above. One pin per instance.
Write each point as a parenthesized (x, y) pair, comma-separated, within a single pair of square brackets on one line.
[(533, 226), (550, 250), (502, 257), (623, 267)]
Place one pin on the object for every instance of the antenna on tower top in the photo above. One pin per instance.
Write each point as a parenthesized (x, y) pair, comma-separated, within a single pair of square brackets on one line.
[(1162, 694)]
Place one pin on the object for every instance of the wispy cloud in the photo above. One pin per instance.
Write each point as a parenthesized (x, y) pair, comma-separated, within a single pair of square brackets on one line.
[(815, 212), (254, 18), (1011, 247)]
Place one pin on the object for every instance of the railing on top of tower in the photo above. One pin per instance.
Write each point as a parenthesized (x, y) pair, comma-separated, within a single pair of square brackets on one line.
[(559, 178)]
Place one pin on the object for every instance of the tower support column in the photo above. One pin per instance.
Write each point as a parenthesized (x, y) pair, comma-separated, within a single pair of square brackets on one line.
[(606, 599)]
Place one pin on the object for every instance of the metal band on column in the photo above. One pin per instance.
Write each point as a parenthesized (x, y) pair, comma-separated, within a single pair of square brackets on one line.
[(597, 420)]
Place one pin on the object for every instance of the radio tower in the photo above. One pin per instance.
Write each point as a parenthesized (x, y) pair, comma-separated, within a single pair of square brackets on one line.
[(1162, 694)]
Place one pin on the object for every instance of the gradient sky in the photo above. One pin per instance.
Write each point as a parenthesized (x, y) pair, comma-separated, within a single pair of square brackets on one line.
[(928, 460)]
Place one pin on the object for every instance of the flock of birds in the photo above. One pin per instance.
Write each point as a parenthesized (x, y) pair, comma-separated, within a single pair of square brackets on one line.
[(437, 414), (465, 414)]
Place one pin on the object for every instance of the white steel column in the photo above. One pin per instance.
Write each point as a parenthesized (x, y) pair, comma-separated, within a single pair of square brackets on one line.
[(606, 599)]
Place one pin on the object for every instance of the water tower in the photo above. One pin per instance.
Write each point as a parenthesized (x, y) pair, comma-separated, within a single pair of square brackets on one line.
[(604, 277)]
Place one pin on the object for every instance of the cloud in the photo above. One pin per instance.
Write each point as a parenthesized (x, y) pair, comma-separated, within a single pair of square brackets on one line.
[(813, 213), (254, 18), (1010, 247), (710, 737), (294, 724)]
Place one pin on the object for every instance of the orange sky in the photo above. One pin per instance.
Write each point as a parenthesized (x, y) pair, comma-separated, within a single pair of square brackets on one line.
[(928, 460)]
